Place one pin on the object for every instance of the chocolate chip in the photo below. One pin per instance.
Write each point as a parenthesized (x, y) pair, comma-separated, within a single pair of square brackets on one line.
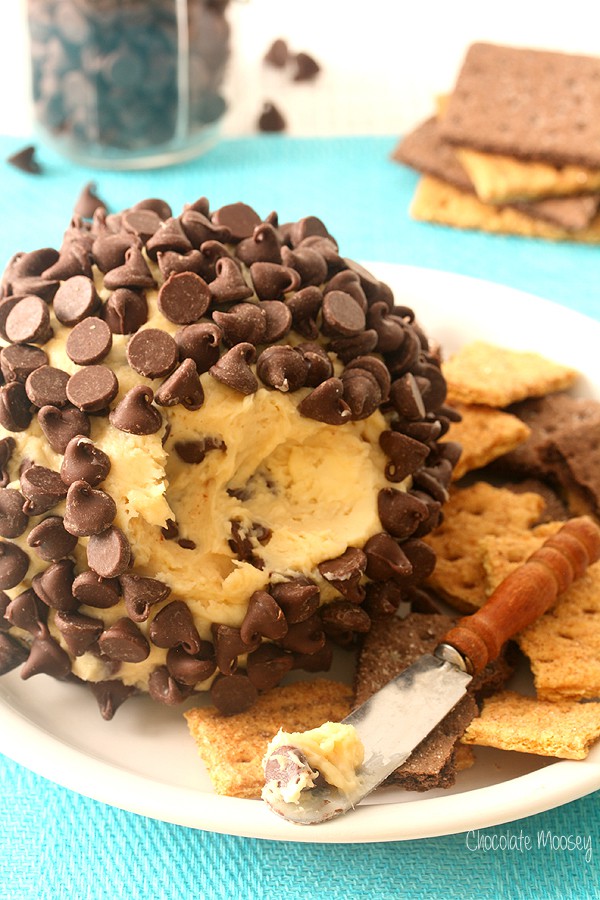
[(264, 245), (278, 320), (43, 488), (318, 661), (268, 665), (14, 563), (109, 553), (61, 425), (228, 646), (233, 694), (385, 558), (134, 273), (304, 637), (75, 299), (194, 452), (348, 348), (305, 306), (320, 367), (25, 611), (199, 342), (271, 119), (191, 669), (110, 695), (271, 280), (391, 330), (28, 322), (184, 298), (169, 236), (89, 341), (152, 353), (124, 642), (92, 389), (283, 368), (163, 688), (17, 361), (361, 392), (87, 510), (278, 54), (92, 590), (12, 654), (383, 599), (349, 282), (406, 455), (73, 259), (233, 369), (344, 573), (342, 619), (306, 67), (400, 512), (422, 559), (406, 397), (25, 160), (50, 540), (141, 222), (141, 593), (109, 250), (326, 404), (46, 657), (309, 263), (183, 386), (125, 311), (229, 284), (88, 201), (135, 413), (79, 632), (299, 598), (47, 386), (342, 314), (173, 626), (239, 218), (242, 323), (13, 521), (264, 618), (84, 461), (199, 228), (54, 585)]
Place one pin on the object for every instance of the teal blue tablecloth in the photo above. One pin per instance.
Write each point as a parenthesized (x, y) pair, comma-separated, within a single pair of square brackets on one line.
[(55, 844)]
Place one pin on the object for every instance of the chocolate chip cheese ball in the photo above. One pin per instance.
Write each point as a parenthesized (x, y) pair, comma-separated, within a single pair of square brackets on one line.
[(219, 453)]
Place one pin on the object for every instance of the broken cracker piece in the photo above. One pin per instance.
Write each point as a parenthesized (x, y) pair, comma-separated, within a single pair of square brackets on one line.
[(470, 514), (232, 747), (484, 434), (482, 373), (510, 721), (563, 646)]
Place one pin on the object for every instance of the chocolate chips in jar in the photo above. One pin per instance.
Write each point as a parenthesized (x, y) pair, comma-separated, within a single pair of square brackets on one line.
[(136, 82)]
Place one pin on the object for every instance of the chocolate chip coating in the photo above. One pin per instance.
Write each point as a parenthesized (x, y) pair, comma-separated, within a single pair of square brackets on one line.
[(17, 361), (152, 353), (84, 461), (75, 299), (184, 298), (135, 412), (93, 388), (88, 511), (51, 540), (60, 426), (89, 341), (47, 386), (123, 641), (13, 521), (14, 564), (28, 322), (109, 553)]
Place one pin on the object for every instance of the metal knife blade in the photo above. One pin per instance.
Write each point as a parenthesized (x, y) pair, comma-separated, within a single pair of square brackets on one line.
[(390, 724)]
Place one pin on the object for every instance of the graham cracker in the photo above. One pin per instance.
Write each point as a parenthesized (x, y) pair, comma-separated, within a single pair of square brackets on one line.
[(525, 103), (471, 514), (232, 747), (510, 721), (387, 650), (425, 150), (444, 204), (482, 373), (563, 646), (484, 434), (504, 179)]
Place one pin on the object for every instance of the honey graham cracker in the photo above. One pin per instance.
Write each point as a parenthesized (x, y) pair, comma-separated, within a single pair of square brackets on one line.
[(510, 721), (232, 747), (441, 203), (563, 646), (484, 434), (486, 374), (471, 514)]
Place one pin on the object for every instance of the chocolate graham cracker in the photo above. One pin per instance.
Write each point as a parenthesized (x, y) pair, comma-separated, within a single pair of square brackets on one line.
[(387, 650), (517, 114), (510, 721), (232, 747)]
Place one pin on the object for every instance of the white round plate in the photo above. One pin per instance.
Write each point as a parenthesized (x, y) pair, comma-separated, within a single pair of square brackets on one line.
[(144, 760)]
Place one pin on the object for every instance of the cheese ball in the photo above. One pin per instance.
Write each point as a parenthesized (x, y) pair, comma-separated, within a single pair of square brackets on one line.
[(219, 452)]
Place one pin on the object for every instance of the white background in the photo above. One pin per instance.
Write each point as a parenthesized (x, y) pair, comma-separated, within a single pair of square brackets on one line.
[(382, 60)]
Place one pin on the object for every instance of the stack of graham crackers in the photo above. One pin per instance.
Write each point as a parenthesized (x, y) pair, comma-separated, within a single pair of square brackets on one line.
[(530, 459), (515, 148)]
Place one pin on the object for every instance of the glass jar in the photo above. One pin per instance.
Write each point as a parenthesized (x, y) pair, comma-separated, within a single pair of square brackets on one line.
[(129, 83)]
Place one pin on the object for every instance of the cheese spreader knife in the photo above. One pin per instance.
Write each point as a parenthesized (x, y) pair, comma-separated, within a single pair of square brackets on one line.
[(394, 721)]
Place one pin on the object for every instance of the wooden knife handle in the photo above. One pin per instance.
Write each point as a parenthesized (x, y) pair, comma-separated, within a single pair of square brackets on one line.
[(527, 593)]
